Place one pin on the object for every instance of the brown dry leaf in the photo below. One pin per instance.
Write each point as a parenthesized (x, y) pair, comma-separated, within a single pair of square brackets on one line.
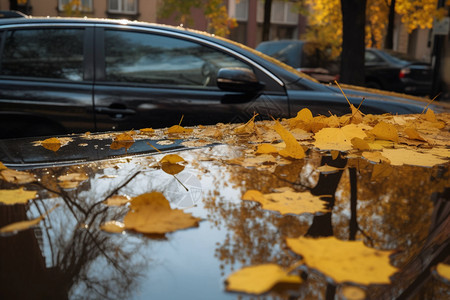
[(23, 225), (16, 196), (293, 148), (171, 159), (71, 180), (147, 131), (17, 177), (338, 138), (259, 279), (151, 213), (117, 200), (172, 169), (123, 140), (399, 157), (52, 144), (344, 261), (288, 201), (326, 169), (113, 227), (178, 129), (385, 131), (248, 127), (382, 170)]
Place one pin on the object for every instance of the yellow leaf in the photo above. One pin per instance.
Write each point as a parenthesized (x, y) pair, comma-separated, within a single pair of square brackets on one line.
[(117, 200), (151, 213), (23, 225), (123, 140), (17, 177), (293, 148), (304, 115), (16, 196), (72, 180), (338, 138), (443, 270), (326, 169), (344, 261), (385, 131), (375, 157), (288, 202), (413, 134), (400, 157), (430, 116), (147, 131), (113, 227), (248, 127), (259, 279), (2, 166), (360, 144), (353, 293), (382, 170), (52, 144), (266, 148), (171, 159), (178, 129), (172, 169), (335, 154)]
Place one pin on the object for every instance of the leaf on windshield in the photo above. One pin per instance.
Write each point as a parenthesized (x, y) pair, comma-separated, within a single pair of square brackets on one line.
[(399, 157), (17, 177), (16, 196), (326, 169), (413, 134), (338, 138), (71, 180), (151, 213), (147, 131), (293, 148), (344, 261), (385, 131), (353, 293), (360, 144), (171, 159), (376, 157), (123, 140), (382, 170), (23, 225), (169, 164), (248, 127), (52, 144), (178, 129), (266, 149), (259, 279), (288, 201), (113, 226), (2, 166)]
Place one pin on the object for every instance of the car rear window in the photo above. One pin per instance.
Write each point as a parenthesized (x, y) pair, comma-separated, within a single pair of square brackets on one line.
[(44, 53)]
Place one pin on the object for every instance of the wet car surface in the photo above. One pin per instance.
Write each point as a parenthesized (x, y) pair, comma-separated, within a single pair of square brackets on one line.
[(68, 256)]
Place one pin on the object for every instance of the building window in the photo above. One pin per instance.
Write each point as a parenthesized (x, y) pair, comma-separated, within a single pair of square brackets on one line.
[(238, 10), (282, 13), (75, 5), (122, 6)]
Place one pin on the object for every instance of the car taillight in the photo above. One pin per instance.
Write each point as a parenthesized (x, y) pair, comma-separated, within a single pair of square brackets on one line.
[(403, 72)]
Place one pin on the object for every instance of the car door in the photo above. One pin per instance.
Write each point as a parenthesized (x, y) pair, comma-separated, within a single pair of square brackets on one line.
[(148, 78), (46, 80)]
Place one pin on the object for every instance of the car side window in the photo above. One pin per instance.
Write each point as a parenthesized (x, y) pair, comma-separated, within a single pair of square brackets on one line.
[(137, 57), (370, 57), (44, 53)]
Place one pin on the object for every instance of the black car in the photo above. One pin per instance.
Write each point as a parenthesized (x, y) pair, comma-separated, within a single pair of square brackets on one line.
[(394, 71), (303, 56), (69, 75)]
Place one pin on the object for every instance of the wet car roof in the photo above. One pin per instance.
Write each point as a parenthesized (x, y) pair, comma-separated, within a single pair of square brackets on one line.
[(402, 209)]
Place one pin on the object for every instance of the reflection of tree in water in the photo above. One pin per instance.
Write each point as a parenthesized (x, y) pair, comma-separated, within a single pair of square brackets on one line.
[(80, 261), (394, 213)]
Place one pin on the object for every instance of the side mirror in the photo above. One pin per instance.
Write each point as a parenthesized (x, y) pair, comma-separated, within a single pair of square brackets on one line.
[(238, 80)]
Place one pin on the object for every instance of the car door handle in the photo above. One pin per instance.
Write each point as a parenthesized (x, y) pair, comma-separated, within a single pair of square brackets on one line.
[(115, 112)]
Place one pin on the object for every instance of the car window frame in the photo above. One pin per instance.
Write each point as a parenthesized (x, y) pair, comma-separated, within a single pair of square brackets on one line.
[(273, 82), (88, 58)]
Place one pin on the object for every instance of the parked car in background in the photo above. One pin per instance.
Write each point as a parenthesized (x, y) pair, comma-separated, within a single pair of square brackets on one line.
[(394, 71), (303, 56), (72, 75)]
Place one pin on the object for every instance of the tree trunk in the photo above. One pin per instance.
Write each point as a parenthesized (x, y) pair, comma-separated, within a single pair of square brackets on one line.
[(389, 41), (266, 23), (353, 41)]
